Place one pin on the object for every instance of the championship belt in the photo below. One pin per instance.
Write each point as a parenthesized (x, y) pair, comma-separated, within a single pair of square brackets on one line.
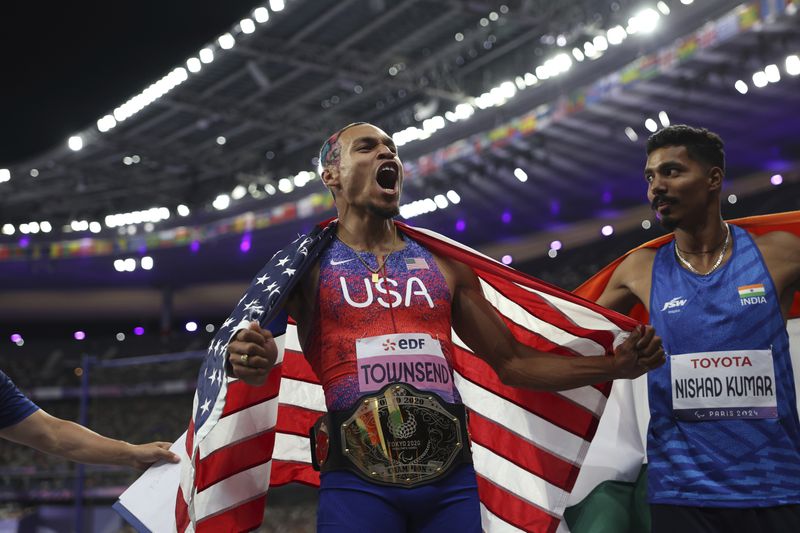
[(399, 436)]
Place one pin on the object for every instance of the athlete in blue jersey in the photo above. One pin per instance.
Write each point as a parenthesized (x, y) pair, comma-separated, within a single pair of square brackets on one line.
[(723, 442), (22, 421), (350, 314)]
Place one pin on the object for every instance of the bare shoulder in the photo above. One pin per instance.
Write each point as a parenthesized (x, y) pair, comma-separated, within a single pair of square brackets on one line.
[(779, 245), (630, 283), (636, 266)]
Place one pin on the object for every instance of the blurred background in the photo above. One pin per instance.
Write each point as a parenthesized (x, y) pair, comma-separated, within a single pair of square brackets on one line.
[(153, 156)]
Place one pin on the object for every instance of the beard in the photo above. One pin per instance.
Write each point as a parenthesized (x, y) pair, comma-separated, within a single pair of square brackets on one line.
[(666, 220)]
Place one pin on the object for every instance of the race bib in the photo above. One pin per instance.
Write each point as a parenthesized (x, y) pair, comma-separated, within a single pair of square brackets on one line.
[(723, 385), (413, 358)]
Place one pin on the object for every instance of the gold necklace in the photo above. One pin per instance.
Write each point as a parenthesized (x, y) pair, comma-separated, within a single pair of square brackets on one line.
[(381, 264), (717, 263)]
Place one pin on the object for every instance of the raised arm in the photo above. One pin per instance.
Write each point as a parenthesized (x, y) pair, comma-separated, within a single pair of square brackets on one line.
[(72, 441), (481, 328)]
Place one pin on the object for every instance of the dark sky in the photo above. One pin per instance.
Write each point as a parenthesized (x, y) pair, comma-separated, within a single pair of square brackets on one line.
[(65, 64)]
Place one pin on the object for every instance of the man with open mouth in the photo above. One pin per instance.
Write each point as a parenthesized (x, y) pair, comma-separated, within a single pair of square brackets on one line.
[(374, 316)]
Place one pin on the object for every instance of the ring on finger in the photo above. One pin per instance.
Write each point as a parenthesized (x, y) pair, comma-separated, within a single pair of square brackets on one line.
[(243, 358)]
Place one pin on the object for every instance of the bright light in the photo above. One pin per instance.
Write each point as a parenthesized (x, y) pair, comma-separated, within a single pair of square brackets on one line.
[(119, 265), (238, 192), (79, 335), (23, 228), (138, 330), (206, 55), (773, 74), (760, 79), (631, 133), (79, 225), (277, 5), (530, 79), (210, 328), (741, 86), (247, 25), (130, 264), (555, 245), (686, 2), (285, 185), (664, 118), (551, 253), (521, 175), (607, 230), (646, 224), (8, 229), (645, 21), (46, 227), (453, 197), (651, 125), (600, 43), (191, 326), (183, 210), (193, 64), (777, 179), (261, 14), (226, 41), (120, 336), (732, 199), (507, 259), (5, 175), (75, 143), (221, 202), (793, 65), (441, 201), (95, 227), (577, 54), (16, 337), (270, 189), (146, 262), (664, 8), (106, 123), (615, 35)]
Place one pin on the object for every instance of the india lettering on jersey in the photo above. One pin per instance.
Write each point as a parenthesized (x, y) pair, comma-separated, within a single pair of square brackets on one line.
[(752, 294), (414, 287)]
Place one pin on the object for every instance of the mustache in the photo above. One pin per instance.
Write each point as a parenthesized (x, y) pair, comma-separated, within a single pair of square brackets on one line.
[(662, 198)]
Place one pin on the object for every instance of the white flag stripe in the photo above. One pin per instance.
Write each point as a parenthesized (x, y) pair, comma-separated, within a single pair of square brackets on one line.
[(519, 315), (516, 480), (582, 316), (232, 491), (302, 394), (291, 448), (448, 240), (586, 397), (527, 425), (495, 524), (292, 340), (562, 527), (280, 342), (240, 425)]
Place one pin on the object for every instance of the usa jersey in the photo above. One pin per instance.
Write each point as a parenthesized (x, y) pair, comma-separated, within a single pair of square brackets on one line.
[(711, 323), (366, 334)]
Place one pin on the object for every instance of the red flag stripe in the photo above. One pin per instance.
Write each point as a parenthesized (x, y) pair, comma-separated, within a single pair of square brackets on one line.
[(555, 409), (295, 366), (514, 510), (296, 420), (244, 517), (233, 459), (284, 472), (181, 511), (240, 395), (521, 452)]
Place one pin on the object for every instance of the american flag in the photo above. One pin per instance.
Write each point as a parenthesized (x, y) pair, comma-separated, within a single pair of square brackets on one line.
[(527, 446)]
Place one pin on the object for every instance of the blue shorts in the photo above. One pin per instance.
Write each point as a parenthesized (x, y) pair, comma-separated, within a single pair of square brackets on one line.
[(348, 503)]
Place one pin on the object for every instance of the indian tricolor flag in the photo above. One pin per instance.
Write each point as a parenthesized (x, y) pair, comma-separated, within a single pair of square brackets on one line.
[(748, 291)]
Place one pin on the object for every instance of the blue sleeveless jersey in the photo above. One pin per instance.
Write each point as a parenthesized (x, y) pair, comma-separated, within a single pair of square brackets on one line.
[(721, 463)]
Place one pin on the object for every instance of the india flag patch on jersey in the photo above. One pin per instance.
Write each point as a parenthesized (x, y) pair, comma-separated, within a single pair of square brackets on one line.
[(750, 291)]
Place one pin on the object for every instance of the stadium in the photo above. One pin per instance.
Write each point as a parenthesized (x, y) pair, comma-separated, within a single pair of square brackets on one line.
[(155, 157)]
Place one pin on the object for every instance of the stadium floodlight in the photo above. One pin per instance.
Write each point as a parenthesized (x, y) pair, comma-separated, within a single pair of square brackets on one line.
[(261, 14), (687, 2), (760, 79), (221, 202), (773, 73), (631, 133), (664, 8), (741, 86), (441, 201), (8, 229), (5, 175), (106, 123), (578, 54), (183, 210), (521, 175), (616, 35), (226, 41), (643, 22), (663, 118), (277, 5), (194, 65), (601, 43), (285, 185), (453, 197), (33, 227), (238, 192), (793, 65), (607, 230), (46, 226), (247, 26), (23, 228), (75, 143), (206, 55), (146, 262), (651, 125), (95, 227)]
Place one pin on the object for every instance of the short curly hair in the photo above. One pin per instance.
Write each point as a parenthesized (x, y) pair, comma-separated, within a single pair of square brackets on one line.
[(701, 144)]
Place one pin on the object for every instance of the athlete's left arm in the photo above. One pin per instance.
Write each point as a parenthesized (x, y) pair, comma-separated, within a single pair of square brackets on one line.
[(478, 324), (781, 251)]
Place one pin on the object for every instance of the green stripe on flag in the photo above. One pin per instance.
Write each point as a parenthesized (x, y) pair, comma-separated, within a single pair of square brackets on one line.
[(612, 507)]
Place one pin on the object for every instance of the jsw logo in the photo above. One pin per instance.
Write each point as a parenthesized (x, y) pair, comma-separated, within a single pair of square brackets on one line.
[(678, 301), (414, 288)]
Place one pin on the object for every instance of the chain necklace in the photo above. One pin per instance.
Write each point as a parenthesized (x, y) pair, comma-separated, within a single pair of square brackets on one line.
[(717, 263), (381, 264)]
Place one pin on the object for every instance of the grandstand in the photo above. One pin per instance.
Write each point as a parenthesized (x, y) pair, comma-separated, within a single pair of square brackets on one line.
[(521, 123)]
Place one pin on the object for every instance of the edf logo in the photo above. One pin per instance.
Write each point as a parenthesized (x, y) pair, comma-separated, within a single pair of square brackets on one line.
[(411, 344)]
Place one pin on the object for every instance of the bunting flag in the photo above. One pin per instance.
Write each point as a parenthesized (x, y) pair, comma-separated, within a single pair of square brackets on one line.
[(527, 446), (609, 496)]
